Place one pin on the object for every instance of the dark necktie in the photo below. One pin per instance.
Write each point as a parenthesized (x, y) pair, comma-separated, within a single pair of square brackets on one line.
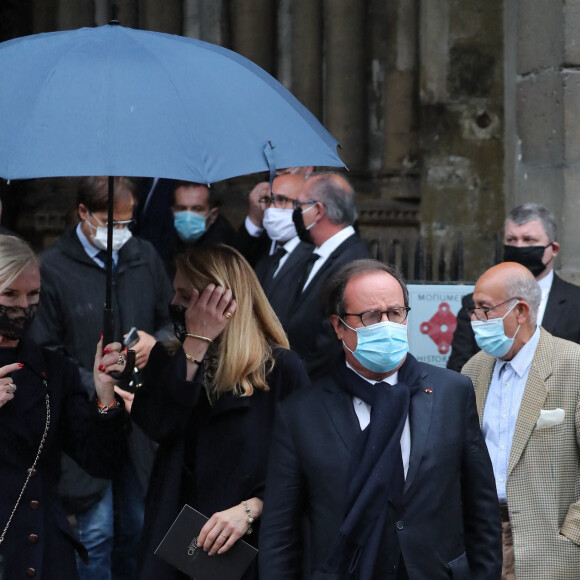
[(307, 269), (275, 261), (102, 255)]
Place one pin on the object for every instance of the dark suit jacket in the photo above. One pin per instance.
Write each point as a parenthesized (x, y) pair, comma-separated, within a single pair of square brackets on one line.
[(282, 289), (561, 319), (448, 525), (308, 327)]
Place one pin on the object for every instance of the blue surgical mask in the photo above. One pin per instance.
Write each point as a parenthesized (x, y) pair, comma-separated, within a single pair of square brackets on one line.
[(190, 226), (491, 337), (380, 347)]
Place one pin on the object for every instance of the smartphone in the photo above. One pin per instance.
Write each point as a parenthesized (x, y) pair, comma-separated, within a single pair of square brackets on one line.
[(131, 338)]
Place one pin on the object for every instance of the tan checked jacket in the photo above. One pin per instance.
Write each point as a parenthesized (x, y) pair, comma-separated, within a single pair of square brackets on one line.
[(543, 485)]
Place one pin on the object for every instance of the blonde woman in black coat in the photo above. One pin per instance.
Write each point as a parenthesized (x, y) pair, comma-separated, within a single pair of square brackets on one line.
[(211, 405), (44, 410)]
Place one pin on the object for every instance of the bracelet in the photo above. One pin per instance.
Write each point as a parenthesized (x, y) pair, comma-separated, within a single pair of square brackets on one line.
[(104, 409), (204, 338), (249, 518), (193, 360)]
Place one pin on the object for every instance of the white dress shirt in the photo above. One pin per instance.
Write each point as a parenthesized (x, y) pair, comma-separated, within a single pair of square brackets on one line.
[(363, 413), (545, 285), (326, 249), (502, 406), (91, 250)]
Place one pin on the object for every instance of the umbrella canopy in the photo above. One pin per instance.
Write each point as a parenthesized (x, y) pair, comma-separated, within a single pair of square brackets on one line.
[(118, 101)]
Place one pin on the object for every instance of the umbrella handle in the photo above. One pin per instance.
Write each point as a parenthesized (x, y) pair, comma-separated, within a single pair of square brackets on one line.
[(129, 366)]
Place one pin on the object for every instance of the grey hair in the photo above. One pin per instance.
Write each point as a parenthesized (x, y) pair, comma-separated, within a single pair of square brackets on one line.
[(336, 195), (528, 212), (525, 287), (15, 256)]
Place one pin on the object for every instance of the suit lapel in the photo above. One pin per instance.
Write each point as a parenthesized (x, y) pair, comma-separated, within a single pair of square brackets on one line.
[(481, 384), (554, 310), (341, 412), (420, 420), (533, 399), (295, 259)]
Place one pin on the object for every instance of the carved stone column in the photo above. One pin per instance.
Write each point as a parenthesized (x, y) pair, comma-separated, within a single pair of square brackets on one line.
[(253, 28), (345, 89)]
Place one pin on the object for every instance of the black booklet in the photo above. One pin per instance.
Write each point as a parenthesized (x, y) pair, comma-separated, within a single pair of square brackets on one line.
[(179, 548)]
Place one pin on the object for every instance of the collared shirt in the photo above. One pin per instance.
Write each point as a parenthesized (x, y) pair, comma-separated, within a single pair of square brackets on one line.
[(91, 250), (363, 413), (545, 285), (289, 246), (326, 249), (502, 406), (252, 228)]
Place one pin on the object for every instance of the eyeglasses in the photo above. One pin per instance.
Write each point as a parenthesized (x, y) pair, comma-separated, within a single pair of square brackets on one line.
[(484, 311), (280, 201), (396, 314), (118, 225)]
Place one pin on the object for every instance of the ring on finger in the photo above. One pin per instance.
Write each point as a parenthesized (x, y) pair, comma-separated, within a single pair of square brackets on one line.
[(228, 315), (121, 360), (11, 388)]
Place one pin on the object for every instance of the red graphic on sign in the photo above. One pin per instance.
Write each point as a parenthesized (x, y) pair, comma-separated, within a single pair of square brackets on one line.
[(440, 327)]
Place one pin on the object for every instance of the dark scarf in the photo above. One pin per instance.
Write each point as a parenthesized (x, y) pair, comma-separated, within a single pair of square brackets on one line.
[(376, 470)]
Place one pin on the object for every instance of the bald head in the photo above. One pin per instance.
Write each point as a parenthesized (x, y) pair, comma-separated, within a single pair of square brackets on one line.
[(506, 281), (289, 184)]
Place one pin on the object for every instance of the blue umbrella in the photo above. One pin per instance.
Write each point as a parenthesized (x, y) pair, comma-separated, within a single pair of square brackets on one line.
[(117, 101)]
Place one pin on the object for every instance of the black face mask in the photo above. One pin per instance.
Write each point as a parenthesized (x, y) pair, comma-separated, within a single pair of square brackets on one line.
[(303, 233), (14, 320), (177, 316), (528, 256)]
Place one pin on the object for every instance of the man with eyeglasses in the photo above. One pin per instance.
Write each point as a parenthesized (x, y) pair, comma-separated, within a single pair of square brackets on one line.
[(70, 319), (527, 385), (383, 456), (324, 216), (530, 239), (280, 270)]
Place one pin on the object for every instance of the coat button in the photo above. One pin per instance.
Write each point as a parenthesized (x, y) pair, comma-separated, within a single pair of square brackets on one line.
[(400, 525), (33, 538), (30, 572), (33, 505)]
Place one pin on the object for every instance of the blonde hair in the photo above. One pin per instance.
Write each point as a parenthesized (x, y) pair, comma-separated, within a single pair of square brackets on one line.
[(15, 256), (244, 349)]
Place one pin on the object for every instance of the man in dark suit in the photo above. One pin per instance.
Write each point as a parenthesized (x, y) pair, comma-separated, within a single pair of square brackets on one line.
[(530, 234), (325, 217), (279, 272), (384, 457)]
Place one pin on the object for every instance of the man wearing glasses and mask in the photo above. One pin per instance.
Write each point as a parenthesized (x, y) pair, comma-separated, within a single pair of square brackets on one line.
[(279, 272), (527, 385), (70, 319), (530, 235), (383, 456)]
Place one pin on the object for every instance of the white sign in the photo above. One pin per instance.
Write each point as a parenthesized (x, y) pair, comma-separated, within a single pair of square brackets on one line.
[(433, 319)]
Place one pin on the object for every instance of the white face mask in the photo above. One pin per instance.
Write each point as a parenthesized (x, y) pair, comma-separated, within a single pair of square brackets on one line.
[(278, 224), (99, 237)]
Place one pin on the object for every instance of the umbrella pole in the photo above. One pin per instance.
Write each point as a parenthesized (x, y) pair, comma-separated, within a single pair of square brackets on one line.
[(108, 315)]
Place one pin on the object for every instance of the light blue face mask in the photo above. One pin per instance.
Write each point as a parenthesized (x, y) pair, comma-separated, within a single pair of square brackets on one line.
[(491, 337), (190, 226), (380, 347)]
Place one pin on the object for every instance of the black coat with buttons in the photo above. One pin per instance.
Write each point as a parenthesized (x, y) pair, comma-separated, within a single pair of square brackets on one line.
[(226, 446), (39, 542)]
